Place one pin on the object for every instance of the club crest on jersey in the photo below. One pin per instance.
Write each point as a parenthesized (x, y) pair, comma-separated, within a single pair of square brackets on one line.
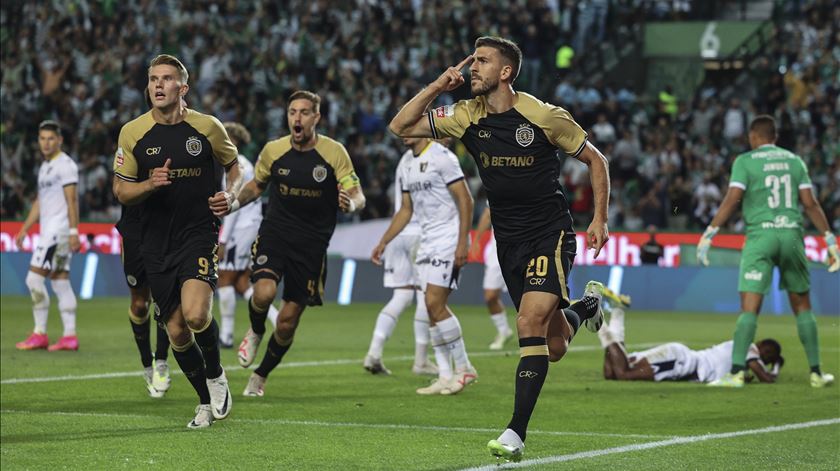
[(485, 160), (319, 173), (193, 146), (423, 166), (524, 135)]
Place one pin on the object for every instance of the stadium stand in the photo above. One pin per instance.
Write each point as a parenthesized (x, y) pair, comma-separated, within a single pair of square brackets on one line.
[(83, 63)]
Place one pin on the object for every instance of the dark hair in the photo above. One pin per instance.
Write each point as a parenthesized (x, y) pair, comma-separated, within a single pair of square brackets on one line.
[(764, 125), (507, 48), (307, 95), (50, 125), (166, 59), (775, 346)]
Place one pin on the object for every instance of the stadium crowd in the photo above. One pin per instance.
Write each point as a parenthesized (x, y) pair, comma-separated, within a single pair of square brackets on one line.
[(84, 63)]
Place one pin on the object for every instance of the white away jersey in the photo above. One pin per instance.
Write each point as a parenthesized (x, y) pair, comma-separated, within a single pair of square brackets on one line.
[(714, 362), (250, 214), (53, 176), (413, 227), (426, 177)]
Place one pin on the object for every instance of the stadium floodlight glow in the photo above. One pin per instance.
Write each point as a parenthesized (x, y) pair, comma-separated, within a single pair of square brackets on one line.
[(348, 276), (89, 275)]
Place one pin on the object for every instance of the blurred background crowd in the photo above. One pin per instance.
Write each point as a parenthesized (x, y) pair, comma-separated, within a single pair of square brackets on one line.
[(84, 62)]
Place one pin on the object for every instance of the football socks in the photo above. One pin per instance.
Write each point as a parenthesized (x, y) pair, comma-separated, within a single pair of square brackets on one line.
[(530, 376), (806, 326), (744, 335)]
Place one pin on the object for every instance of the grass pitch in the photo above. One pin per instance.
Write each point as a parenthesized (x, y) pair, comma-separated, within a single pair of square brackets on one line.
[(89, 409)]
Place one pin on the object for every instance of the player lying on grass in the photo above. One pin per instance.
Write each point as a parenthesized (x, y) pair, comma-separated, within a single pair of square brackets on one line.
[(676, 362)]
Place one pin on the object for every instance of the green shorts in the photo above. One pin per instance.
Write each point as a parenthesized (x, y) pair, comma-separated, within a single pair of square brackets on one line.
[(764, 250)]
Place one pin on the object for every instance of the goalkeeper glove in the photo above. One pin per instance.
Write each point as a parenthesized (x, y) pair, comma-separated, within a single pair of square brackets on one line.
[(704, 245), (833, 253)]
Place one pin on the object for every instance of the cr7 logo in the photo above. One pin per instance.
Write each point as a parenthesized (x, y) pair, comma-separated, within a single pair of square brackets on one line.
[(153, 151)]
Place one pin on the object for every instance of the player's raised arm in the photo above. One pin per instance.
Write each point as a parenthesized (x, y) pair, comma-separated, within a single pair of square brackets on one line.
[(398, 222), (411, 120), (599, 174), (131, 193)]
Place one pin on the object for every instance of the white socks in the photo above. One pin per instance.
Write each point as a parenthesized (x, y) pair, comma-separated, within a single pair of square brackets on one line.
[(40, 300), (617, 323), (387, 320), (227, 311), (422, 338), (450, 332), (442, 355), (66, 305), (500, 320)]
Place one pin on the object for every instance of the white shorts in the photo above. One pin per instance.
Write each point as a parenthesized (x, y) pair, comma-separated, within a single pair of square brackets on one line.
[(52, 252), (399, 261), (437, 269), (671, 361), (238, 248), (493, 278)]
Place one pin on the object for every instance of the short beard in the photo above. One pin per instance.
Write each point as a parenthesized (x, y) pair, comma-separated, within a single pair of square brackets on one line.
[(484, 88)]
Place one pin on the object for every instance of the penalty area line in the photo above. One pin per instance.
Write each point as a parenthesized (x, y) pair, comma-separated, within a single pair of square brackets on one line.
[(656, 444)]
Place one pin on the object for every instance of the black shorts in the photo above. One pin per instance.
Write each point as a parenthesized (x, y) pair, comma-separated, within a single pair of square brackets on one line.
[(133, 267), (301, 266), (197, 260), (538, 265)]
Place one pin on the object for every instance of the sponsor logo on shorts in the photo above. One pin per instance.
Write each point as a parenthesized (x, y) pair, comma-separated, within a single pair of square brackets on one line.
[(262, 259), (132, 281), (528, 374), (319, 173), (524, 135), (536, 281), (436, 262), (193, 146), (753, 275)]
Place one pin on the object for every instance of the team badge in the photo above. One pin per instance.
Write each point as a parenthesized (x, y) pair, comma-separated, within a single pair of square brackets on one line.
[(119, 157), (262, 259), (423, 166), (524, 135), (485, 160), (319, 173), (132, 281), (194, 146)]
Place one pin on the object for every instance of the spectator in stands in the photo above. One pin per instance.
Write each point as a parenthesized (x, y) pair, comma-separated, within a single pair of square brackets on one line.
[(651, 251)]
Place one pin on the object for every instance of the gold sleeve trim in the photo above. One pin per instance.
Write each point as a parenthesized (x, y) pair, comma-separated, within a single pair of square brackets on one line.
[(272, 151), (223, 149), (335, 154)]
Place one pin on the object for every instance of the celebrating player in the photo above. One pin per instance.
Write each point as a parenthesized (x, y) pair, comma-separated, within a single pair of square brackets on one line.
[(166, 163), (312, 178), (493, 283), (401, 276), (56, 208), (514, 139), (433, 186), (772, 182), (239, 229), (676, 362)]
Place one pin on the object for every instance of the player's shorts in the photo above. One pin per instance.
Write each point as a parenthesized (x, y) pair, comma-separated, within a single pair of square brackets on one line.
[(436, 266), (399, 259), (538, 265), (493, 278), (196, 260), (133, 266), (238, 248), (301, 266), (766, 249), (52, 252), (670, 362)]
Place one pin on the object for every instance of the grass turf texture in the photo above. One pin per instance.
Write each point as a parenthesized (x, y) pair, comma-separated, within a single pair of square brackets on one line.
[(323, 411)]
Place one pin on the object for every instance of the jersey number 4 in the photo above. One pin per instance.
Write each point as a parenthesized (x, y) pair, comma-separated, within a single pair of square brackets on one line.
[(775, 183)]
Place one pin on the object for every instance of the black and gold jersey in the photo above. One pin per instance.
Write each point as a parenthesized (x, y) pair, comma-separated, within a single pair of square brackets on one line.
[(199, 147), (130, 224), (303, 198), (519, 159)]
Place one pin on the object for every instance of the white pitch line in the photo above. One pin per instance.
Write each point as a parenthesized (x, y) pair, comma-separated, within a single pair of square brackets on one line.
[(656, 444), (299, 364), (320, 423)]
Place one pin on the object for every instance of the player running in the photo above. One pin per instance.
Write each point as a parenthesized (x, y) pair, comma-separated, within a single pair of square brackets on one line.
[(56, 208), (401, 276), (237, 235), (493, 282), (433, 187), (676, 362), (167, 163), (771, 182), (514, 139), (312, 178)]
